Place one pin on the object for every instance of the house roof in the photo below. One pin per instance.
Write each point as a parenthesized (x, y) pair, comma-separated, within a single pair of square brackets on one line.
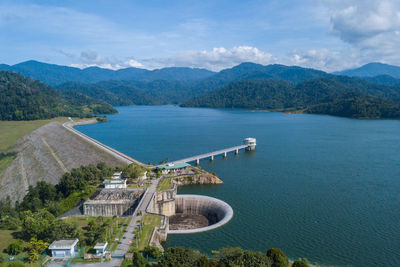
[(67, 243), (171, 166), (100, 245)]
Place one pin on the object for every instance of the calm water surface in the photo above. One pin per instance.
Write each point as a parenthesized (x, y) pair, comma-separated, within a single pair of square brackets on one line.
[(319, 187)]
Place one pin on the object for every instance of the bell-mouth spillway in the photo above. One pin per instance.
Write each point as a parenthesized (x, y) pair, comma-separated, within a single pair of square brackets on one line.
[(214, 210)]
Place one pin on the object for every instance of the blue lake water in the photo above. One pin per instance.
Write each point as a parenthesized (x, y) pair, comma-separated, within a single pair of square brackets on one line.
[(319, 187)]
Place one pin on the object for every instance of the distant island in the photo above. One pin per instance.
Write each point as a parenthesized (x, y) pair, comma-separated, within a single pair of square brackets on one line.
[(371, 92)]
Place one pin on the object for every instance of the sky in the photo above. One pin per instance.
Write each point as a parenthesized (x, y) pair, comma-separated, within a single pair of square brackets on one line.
[(329, 35)]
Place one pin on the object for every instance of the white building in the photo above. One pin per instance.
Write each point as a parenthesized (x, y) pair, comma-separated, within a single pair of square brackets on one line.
[(251, 142), (64, 248), (115, 183), (101, 248)]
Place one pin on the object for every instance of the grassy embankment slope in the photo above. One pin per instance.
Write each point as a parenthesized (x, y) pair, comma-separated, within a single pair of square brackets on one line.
[(44, 151), (11, 131)]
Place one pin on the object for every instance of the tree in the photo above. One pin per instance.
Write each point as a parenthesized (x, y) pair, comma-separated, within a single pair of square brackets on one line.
[(277, 257), (138, 259), (35, 248), (15, 247)]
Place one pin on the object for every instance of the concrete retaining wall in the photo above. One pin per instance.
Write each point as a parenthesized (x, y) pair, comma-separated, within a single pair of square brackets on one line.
[(210, 207)]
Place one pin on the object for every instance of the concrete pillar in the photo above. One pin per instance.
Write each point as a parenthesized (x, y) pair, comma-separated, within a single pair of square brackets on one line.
[(197, 161), (212, 157), (236, 151), (224, 154)]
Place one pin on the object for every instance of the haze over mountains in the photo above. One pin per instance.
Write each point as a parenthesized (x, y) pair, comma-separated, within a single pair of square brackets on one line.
[(372, 91)]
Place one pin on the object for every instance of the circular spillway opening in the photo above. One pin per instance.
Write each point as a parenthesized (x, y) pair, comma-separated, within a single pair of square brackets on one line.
[(196, 213)]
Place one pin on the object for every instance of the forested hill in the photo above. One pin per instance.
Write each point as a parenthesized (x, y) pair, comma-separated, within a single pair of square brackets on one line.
[(339, 96), (22, 98)]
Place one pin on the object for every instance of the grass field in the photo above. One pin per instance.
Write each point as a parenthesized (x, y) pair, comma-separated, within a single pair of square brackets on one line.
[(165, 184), (82, 222), (6, 238), (149, 222)]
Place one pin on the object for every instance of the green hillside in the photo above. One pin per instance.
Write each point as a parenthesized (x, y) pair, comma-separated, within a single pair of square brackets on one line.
[(339, 96), (22, 98)]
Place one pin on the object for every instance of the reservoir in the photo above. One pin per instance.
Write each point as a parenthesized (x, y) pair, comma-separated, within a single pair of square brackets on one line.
[(318, 187)]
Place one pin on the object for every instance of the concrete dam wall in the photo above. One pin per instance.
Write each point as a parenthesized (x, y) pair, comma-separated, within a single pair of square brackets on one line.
[(216, 211)]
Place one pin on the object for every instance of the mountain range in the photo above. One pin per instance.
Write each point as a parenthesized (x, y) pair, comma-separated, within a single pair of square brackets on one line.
[(52, 74), (371, 91)]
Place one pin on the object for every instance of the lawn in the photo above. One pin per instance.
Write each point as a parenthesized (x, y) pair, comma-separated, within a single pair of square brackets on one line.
[(6, 238), (149, 223), (82, 222), (165, 184)]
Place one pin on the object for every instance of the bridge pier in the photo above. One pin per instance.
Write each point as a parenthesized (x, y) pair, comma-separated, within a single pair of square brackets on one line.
[(236, 151), (224, 154), (212, 157), (197, 161)]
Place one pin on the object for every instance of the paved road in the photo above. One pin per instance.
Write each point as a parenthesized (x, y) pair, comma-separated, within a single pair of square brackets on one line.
[(127, 238), (69, 126)]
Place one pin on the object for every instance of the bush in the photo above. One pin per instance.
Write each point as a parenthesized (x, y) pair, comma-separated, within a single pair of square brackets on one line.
[(14, 264), (300, 263), (153, 252), (277, 257)]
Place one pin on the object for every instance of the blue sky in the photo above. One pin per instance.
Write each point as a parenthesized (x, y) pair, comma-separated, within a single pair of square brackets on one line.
[(324, 34)]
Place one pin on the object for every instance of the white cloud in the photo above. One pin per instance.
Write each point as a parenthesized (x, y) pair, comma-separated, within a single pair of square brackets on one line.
[(215, 59), (372, 26), (91, 58), (324, 59)]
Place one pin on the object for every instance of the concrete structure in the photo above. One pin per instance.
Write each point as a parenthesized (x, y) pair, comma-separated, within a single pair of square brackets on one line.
[(110, 202), (101, 248), (216, 211), (64, 248), (163, 202), (248, 144), (114, 183), (166, 168)]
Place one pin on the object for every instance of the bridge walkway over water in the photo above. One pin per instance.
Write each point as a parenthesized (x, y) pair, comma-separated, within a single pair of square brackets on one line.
[(211, 155)]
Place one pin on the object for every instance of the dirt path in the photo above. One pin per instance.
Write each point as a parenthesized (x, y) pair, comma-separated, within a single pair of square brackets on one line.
[(23, 171), (53, 153)]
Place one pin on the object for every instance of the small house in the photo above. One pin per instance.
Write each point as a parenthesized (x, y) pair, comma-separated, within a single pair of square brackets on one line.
[(167, 168), (101, 248), (64, 248)]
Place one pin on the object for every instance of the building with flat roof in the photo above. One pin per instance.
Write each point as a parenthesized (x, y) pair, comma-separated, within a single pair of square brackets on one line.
[(110, 202), (101, 248), (114, 183), (64, 248), (166, 168)]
